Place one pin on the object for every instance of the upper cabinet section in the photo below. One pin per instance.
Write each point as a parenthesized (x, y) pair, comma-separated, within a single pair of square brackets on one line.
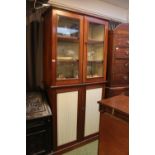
[(77, 49)]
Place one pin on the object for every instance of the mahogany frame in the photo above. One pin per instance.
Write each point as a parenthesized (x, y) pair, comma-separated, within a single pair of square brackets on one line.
[(87, 20), (54, 46)]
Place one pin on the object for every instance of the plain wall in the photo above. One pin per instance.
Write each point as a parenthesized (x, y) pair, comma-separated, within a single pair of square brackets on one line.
[(97, 7)]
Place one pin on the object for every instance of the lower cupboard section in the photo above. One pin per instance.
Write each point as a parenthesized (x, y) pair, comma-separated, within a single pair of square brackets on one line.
[(75, 114)]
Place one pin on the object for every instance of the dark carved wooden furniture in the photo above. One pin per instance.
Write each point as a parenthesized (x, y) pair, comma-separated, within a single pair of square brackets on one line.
[(38, 125), (114, 126), (75, 59), (118, 61)]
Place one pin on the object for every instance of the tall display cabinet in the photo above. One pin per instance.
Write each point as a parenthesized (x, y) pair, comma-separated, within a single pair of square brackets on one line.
[(75, 59)]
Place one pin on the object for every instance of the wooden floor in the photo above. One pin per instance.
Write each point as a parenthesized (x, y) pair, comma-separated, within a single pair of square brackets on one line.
[(88, 149)]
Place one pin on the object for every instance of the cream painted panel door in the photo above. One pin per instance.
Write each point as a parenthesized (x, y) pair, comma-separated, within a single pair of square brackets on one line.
[(92, 113), (67, 106)]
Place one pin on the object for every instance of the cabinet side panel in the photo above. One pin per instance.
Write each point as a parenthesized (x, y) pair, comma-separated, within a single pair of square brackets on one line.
[(47, 49), (92, 111), (67, 105)]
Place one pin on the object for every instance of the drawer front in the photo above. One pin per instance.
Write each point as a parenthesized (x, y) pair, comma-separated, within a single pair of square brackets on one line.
[(121, 42), (120, 66), (36, 142), (119, 78), (121, 52), (122, 33)]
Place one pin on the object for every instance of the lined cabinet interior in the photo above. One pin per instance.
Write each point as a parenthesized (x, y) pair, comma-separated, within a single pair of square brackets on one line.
[(92, 114), (75, 57)]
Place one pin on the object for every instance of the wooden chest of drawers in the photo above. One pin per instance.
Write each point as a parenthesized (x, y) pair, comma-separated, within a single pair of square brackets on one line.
[(118, 60), (38, 124), (38, 136)]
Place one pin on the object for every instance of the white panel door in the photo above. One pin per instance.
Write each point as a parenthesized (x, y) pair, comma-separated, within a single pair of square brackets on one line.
[(67, 106), (92, 113)]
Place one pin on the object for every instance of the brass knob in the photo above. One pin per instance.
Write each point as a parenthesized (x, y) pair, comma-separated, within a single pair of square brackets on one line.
[(127, 52), (125, 77), (53, 60), (126, 64)]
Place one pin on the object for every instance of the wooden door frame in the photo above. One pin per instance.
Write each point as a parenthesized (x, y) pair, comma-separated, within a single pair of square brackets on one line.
[(56, 12), (88, 19), (94, 86)]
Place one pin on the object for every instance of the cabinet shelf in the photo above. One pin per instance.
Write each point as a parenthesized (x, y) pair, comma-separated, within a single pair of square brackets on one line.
[(68, 38), (94, 42), (65, 79), (95, 61), (93, 76), (67, 60)]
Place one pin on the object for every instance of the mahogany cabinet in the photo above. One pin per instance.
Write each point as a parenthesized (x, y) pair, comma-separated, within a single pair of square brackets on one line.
[(118, 61), (75, 59)]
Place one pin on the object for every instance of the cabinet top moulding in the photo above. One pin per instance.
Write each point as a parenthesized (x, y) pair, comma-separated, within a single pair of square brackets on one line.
[(80, 12), (68, 38)]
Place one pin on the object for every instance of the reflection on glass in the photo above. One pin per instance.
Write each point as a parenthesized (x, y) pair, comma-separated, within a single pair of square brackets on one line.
[(94, 69), (67, 70), (67, 60), (96, 32), (68, 27), (95, 60), (67, 48), (95, 50)]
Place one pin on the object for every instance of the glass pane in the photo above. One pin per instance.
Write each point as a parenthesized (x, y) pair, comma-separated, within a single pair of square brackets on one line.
[(68, 27), (96, 32), (95, 60), (94, 69), (95, 52), (67, 60)]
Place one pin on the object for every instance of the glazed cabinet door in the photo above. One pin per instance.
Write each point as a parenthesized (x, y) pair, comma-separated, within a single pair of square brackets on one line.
[(95, 49), (92, 114), (67, 112), (67, 47)]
